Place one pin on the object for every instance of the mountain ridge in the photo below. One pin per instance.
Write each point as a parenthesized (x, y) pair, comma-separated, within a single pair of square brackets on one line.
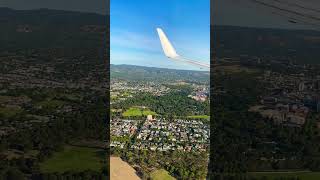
[(136, 73)]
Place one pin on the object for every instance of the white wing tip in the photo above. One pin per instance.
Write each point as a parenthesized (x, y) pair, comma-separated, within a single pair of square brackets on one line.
[(170, 52), (167, 47)]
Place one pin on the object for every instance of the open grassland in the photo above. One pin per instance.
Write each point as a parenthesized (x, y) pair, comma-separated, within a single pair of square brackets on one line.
[(148, 112), (199, 117), (161, 174), (132, 112), (50, 104), (74, 158), (8, 112), (137, 112)]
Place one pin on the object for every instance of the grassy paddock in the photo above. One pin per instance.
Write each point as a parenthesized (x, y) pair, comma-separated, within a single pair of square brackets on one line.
[(74, 158), (131, 112), (161, 174), (199, 117), (8, 112)]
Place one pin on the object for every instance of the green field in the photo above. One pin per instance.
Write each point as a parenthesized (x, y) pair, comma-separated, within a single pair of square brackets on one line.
[(161, 174), (199, 117), (74, 158), (120, 138), (126, 94), (50, 104), (137, 112), (148, 112), (8, 112), (303, 175)]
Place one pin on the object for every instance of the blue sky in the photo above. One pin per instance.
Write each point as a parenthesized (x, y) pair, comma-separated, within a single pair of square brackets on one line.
[(134, 39)]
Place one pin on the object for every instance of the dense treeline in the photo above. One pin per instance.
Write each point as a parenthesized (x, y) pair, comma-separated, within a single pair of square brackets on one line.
[(175, 103)]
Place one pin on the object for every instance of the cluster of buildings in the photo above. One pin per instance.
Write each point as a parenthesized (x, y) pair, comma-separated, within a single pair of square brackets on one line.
[(290, 98), (27, 72), (22, 71), (161, 134), (123, 127), (200, 94), (121, 90), (20, 112), (121, 130)]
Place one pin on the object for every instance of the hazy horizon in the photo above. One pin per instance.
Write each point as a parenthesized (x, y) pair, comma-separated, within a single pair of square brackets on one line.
[(52, 9), (97, 6), (200, 70)]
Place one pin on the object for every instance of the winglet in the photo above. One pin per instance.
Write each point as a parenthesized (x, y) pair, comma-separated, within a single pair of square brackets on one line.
[(167, 47)]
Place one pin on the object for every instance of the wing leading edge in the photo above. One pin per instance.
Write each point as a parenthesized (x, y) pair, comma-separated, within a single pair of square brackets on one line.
[(171, 53)]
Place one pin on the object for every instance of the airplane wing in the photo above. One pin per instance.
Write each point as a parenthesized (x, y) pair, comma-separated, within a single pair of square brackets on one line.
[(171, 53)]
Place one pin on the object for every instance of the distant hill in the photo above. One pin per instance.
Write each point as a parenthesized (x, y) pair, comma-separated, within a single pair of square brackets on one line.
[(44, 28), (302, 46), (136, 73), (49, 16)]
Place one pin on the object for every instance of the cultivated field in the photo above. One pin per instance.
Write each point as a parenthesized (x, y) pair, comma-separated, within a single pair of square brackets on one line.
[(120, 170)]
